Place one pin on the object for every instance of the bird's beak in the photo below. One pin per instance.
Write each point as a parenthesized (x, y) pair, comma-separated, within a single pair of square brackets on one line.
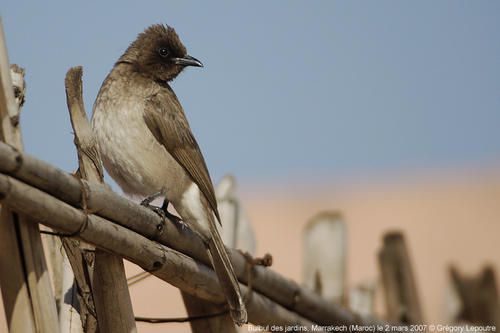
[(187, 61)]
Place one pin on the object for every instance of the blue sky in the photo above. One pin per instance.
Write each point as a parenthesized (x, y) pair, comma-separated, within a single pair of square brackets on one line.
[(322, 90)]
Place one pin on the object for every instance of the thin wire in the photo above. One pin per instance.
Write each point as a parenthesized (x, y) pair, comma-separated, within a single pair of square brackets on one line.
[(251, 262), (52, 233), (137, 278), (179, 319)]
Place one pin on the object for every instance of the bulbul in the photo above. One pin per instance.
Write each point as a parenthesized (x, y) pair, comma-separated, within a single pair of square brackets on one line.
[(148, 148)]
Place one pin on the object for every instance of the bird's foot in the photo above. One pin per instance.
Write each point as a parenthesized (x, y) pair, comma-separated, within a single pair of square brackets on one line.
[(177, 221), (163, 211), (166, 215), (174, 218), (155, 209)]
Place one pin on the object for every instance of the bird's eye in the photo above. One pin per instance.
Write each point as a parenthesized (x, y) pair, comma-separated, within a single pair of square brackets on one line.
[(163, 51)]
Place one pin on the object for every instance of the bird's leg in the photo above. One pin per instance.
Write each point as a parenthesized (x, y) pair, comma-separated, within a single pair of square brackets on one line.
[(148, 200), (163, 210), (174, 218), (157, 210), (147, 203)]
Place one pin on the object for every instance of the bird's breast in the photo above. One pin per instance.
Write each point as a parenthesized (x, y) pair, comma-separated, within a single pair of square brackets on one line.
[(130, 153)]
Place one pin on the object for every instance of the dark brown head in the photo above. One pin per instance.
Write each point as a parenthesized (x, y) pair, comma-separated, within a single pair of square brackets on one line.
[(159, 54)]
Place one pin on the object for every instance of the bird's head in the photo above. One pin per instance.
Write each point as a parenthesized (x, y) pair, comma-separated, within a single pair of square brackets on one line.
[(159, 53)]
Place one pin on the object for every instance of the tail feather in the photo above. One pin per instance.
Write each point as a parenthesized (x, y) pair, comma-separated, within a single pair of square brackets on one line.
[(225, 273)]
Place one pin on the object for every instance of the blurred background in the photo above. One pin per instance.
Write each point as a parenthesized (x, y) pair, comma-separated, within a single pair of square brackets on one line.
[(385, 111)]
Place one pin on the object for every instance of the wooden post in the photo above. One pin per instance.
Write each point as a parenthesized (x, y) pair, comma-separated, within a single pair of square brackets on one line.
[(26, 290), (324, 264), (80, 255), (110, 289), (53, 247), (401, 297), (236, 230), (70, 320), (196, 306), (478, 295)]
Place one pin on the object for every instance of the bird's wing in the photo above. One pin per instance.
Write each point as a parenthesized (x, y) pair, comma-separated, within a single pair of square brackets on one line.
[(165, 118)]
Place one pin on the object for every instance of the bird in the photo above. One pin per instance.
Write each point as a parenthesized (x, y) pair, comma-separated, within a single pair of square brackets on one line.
[(148, 148)]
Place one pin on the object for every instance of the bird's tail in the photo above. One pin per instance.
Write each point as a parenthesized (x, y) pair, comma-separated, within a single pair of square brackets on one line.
[(227, 278)]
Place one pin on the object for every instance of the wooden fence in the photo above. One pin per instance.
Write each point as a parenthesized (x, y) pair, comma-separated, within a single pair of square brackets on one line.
[(98, 229)]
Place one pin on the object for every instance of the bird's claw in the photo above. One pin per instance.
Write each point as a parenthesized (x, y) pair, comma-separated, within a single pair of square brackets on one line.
[(155, 209), (183, 225), (164, 213), (147, 202), (177, 221)]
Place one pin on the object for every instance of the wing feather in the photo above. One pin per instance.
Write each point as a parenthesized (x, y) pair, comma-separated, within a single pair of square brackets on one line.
[(165, 118)]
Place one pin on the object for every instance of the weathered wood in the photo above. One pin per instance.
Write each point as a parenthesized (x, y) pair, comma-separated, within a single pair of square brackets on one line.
[(110, 289), (236, 230), (109, 273), (78, 279), (81, 260), (402, 301), (196, 306), (26, 289), (478, 297), (16, 299), (112, 206), (324, 268), (65, 288), (54, 250), (89, 160), (167, 264), (70, 320)]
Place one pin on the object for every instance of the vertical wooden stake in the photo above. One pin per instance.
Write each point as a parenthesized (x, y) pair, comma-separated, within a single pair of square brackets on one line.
[(478, 297), (69, 319), (196, 307), (27, 293), (237, 231), (324, 264), (77, 289), (401, 297), (110, 289)]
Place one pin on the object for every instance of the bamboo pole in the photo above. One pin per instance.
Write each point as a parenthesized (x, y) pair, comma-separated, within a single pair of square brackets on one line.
[(53, 248), (70, 320), (16, 298), (111, 206), (400, 289), (81, 261), (196, 306), (26, 289), (109, 285), (478, 295), (324, 264), (169, 265), (236, 229)]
